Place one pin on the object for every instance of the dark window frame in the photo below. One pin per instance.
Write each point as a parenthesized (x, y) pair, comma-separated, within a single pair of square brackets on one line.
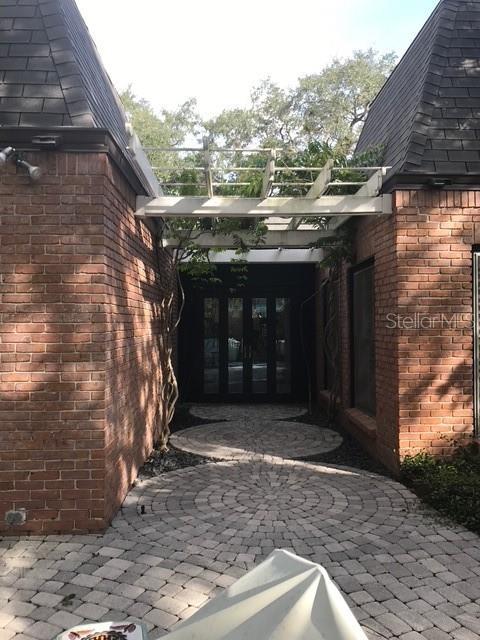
[(476, 337), (361, 266)]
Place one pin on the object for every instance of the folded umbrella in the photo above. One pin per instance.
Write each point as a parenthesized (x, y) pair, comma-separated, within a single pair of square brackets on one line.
[(284, 598)]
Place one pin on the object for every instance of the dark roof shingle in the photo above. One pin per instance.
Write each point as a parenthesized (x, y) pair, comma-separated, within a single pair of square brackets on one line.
[(50, 72), (427, 115)]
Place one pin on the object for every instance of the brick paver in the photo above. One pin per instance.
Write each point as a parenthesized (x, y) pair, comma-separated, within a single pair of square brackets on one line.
[(212, 413), (239, 439), (183, 537)]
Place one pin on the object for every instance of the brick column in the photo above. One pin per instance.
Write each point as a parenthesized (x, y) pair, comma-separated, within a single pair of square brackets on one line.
[(423, 325), (435, 234), (51, 361), (70, 443), (375, 238), (138, 277)]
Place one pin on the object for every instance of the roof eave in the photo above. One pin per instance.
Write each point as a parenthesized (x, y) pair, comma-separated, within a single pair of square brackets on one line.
[(80, 140), (431, 180)]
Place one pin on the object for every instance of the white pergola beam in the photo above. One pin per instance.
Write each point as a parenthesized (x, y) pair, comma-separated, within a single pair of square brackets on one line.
[(208, 167), (374, 184), (272, 239), (269, 175), (318, 188), (271, 256), (220, 207), (337, 222), (320, 185), (371, 189)]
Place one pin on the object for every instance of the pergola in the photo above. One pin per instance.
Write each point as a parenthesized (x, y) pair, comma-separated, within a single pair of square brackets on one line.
[(323, 201)]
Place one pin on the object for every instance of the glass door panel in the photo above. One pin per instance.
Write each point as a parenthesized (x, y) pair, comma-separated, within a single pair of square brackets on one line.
[(259, 345), (235, 345), (211, 343), (283, 367), (246, 347)]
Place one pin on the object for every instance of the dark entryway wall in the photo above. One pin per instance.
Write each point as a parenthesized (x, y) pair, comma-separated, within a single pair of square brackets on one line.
[(273, 284), (423, 300)]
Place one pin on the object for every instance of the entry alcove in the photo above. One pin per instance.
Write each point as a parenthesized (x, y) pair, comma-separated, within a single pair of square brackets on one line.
[(248, 336)]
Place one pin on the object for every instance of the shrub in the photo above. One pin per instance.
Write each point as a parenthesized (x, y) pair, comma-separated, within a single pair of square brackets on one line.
[(451, 485)]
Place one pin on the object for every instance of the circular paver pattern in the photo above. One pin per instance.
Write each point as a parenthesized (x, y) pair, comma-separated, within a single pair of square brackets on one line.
[(252, 507), (399, 569), (214, 412), (182, 537), (239, 439)]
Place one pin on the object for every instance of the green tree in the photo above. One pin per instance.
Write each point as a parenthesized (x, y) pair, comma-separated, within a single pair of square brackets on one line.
[(269, 120), (326, 108), (163, 129), (333, 104)]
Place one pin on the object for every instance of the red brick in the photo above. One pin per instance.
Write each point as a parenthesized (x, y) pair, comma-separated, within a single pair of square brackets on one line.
[(80, 368), (423, 265)]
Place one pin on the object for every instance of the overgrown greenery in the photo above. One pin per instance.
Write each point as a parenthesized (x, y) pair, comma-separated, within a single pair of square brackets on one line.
[(452, 486)]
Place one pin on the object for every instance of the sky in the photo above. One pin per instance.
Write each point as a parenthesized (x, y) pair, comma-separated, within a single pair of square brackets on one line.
[(216, 51)]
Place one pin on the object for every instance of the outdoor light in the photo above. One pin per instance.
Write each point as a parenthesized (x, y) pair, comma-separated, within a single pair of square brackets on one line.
[(34, 172), (5, 155)]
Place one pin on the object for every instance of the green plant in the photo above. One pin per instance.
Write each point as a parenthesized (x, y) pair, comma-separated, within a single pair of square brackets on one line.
[(451, 485)]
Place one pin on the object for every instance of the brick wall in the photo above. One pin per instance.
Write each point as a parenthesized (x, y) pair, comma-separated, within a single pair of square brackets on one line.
[(435, 234), (61, 348), (423, 269), (375, 237), (138, 276)]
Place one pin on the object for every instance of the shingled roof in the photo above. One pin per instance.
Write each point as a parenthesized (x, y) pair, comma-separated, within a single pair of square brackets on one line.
[(50, 70), (51, 75), (428, 113)]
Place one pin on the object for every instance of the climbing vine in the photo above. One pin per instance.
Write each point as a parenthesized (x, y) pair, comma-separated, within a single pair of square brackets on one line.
[(337, 252)]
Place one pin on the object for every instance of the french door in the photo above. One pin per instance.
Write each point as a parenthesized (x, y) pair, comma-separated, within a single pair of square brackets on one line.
[(250, 339), (247, 347)]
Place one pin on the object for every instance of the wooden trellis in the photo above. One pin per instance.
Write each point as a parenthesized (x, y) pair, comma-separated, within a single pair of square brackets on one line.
[(321, 195)]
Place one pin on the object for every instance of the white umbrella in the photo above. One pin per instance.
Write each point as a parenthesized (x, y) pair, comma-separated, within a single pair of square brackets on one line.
[(284, 598)]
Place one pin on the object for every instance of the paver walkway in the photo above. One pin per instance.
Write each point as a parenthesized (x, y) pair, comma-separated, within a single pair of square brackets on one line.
[(186, 535), (238, 439)]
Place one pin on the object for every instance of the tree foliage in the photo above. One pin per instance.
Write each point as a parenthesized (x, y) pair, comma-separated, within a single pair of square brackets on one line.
[(328, 107), (163, 129), (334, 103)]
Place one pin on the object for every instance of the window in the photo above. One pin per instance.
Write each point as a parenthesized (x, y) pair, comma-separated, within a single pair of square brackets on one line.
[(211, 361), (363, 337)]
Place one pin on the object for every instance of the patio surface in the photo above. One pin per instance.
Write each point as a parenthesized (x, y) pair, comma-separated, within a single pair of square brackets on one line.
[(184, 536)]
